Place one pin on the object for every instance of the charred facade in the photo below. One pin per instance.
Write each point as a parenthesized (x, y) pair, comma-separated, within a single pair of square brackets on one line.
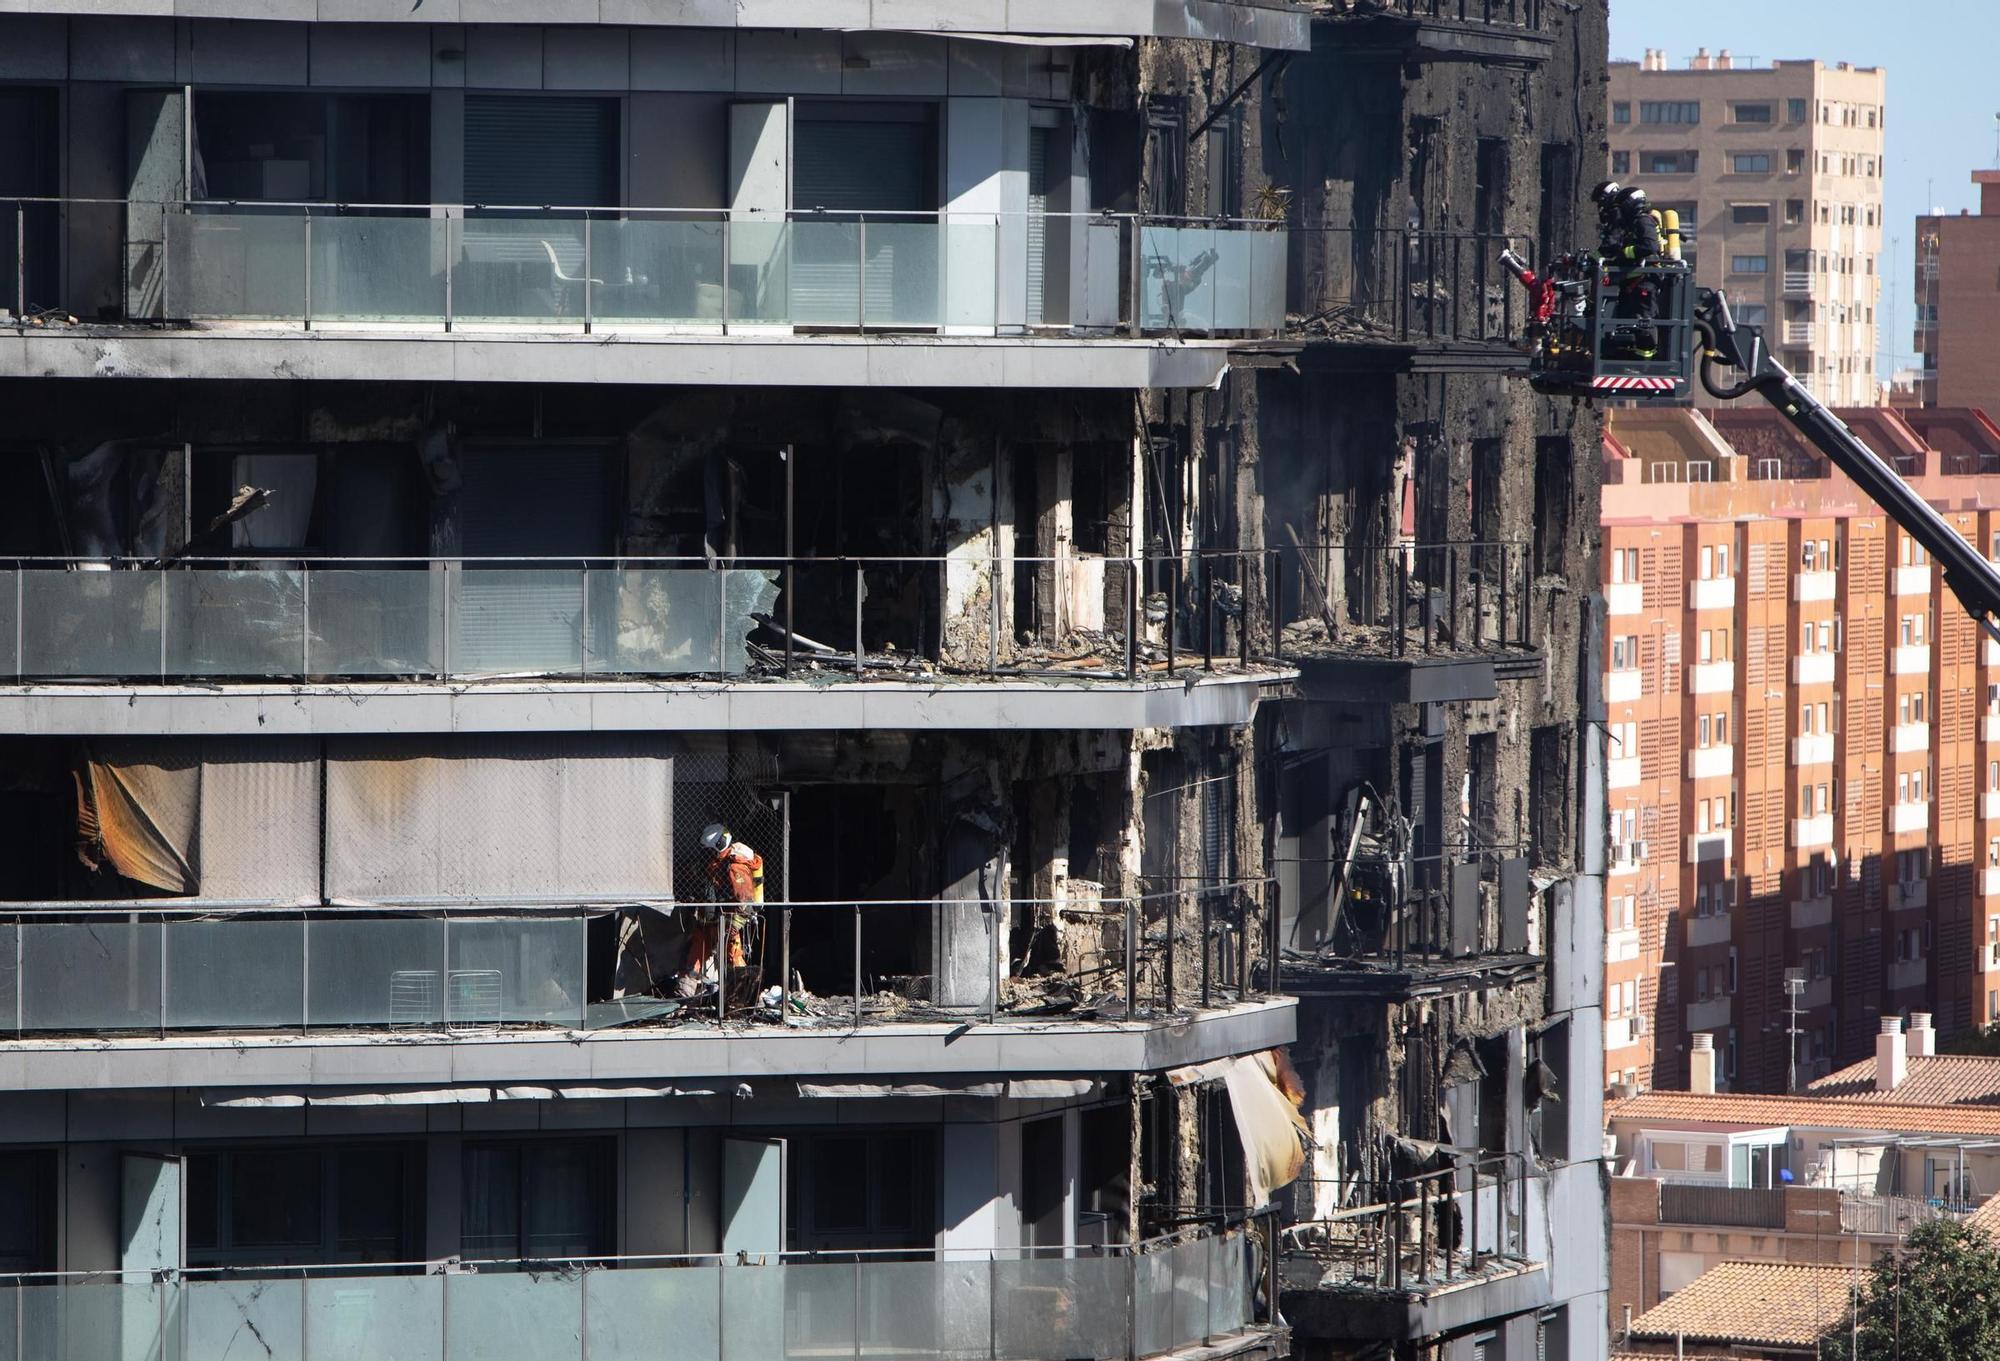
[(721, 649)]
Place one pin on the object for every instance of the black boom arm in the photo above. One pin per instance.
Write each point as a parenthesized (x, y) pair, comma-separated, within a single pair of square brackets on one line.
[(1726, 344)]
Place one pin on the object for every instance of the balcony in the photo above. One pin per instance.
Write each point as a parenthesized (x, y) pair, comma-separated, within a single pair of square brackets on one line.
[(1913, 580), (1374, 1262), (689, 296), (1910, 659), (1708, 931), (276, 649), (1989, 651), (1810, 586), (1711, 763), (1710, 1014), (1989, 805), (1703, 847), (1618, 1033), (1622, 772), (1711, 678), (1989, 881), (1393, 623), (1905, 737), (1909, 817), (1623, 687), (1621, 946), (1798, 282), (1624, 597), (473, 995), (1155, 1299), (1626, 856), (1406, 290), (1909, 894), (1814, 749), (1907, 973), (1818, 994), (1798, 332), (1813, 668), (1809, 913), (1712, 593), (1813, 831)]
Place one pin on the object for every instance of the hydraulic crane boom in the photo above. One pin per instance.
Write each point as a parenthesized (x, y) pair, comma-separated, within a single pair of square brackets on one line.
[(1725, 343), (1589, 340)]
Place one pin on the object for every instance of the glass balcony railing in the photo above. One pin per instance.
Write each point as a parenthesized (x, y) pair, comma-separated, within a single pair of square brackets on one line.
[(1011, 1305), (158, 965), (1077, 617), (246, 971), (448, 266)]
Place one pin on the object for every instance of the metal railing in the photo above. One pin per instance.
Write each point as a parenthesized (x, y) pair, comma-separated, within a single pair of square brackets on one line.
[(1404, 598), (981, 613), (149, 965), (609, 269), (270, 617), (1415, 1232), (1891, 1216), (1507, 13), (1366, 285), (1108, 1304)]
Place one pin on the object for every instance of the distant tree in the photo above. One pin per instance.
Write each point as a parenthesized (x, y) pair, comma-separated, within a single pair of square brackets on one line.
[(1982, 1040), (1936, 1298)]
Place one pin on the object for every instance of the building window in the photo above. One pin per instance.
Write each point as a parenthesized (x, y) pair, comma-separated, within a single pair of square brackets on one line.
[(1753, 314), (1750, 163), (292, 1205), (1795, 211), (1621, 162), (1795, 162), (1669, 111), (1795, 111), (1749, 264), (1624, 565), (1749, 214), (1750, 113), (1667, 162), (1621, 111), (538, 1199), (1625, 653)]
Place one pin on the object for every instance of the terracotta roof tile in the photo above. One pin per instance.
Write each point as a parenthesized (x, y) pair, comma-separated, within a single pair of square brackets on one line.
[(1753, 1303), (1932, 1080), (1815, 1112), (1987, 1216)]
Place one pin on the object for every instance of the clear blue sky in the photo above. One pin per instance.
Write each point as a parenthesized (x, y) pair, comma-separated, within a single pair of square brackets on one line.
[(1942, 97)]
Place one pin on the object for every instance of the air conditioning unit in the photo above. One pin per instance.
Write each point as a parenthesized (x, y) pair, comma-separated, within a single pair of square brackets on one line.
[(1638, 1025), (1639, 850)]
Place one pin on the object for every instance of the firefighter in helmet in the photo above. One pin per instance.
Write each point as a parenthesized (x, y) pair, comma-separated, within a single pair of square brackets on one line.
[(736, 877), (1629, 240)]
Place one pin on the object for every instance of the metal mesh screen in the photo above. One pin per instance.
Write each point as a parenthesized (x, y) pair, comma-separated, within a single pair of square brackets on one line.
[(735, 786)]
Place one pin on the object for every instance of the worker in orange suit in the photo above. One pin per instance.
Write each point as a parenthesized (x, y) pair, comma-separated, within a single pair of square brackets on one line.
[(736, 874)]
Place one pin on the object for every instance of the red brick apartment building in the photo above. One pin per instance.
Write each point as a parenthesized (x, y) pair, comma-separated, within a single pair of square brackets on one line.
[(1958, 328), (1804, 734)]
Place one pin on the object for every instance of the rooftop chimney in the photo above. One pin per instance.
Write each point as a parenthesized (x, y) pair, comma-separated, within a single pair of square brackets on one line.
[(1922, 1039), (1892, 1060), (1700, 61), (1701, 1065), (1989, 192), (1722, 60), (1656, 59)]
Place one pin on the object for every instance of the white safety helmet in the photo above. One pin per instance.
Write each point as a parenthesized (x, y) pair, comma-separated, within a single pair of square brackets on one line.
[(716, 837)]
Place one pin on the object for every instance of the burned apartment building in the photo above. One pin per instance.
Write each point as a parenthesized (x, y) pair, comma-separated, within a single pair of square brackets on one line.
[(1439, 819), (900, 685)]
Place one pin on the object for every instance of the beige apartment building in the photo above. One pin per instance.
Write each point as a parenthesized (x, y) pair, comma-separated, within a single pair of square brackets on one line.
[(1780, 168)]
